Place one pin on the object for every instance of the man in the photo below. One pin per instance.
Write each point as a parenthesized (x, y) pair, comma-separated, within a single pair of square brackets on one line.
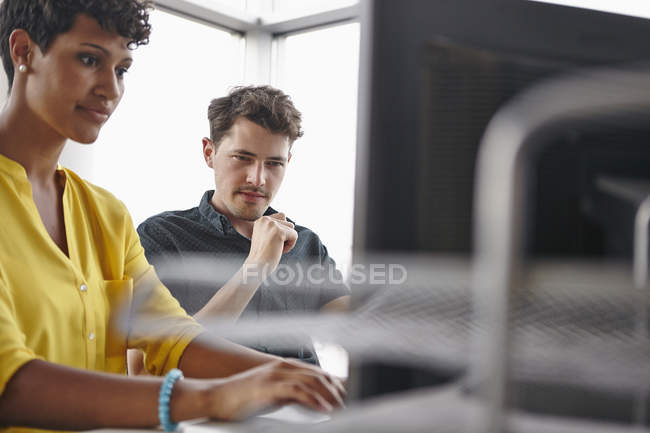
[(252, 131)]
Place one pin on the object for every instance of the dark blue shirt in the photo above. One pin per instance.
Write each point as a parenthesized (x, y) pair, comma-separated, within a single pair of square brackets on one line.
[(172, 240), (178, 235)]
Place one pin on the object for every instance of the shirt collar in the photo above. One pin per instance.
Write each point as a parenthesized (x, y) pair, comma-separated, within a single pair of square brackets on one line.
[(16, 170), (218, 220), (12, 168)]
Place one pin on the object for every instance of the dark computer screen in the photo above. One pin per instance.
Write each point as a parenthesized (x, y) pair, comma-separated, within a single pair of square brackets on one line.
[(435, 72), (438, 72)]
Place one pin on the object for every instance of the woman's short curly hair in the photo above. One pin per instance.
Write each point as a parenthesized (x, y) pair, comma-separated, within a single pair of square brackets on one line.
[(43, 20), (266, 106)]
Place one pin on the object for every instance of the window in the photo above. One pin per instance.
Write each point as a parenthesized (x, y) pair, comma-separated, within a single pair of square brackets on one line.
[(293, 7), (235, 4), (149, 154), (319, 70)]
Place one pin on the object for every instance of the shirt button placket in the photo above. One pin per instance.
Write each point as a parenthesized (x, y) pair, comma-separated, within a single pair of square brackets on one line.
[(89, 325)]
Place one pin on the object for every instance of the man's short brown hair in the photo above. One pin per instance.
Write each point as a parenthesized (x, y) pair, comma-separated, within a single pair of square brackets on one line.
[(266, 106)]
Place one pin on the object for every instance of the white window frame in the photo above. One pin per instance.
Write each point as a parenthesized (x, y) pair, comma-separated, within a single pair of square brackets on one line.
[(263, 32)]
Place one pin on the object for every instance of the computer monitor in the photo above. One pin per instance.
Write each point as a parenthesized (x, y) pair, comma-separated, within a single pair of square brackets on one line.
[(433, 73)]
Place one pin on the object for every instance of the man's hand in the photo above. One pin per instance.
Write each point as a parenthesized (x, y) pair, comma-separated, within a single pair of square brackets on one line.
[(272, 236), (276, 383)]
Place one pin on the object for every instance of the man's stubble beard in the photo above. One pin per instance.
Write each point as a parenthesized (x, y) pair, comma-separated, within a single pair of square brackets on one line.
[(247, 214)]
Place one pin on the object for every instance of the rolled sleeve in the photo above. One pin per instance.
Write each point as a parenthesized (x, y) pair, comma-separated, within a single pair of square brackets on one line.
[(158, 325), (334, 286)]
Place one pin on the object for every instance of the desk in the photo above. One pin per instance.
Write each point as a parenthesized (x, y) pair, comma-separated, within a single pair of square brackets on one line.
[(444, 409), (282, 418)]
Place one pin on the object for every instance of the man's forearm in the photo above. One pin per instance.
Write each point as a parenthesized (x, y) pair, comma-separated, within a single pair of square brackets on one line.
[(272, 236), (215, 357), (46, 395), (231, 299), (338, 305)]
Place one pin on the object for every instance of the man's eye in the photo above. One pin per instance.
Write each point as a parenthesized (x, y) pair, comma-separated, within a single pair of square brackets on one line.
[(274, 163), (241, 158), (88, 59)]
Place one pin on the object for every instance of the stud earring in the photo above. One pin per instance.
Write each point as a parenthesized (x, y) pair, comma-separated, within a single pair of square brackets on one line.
[(22, 68)]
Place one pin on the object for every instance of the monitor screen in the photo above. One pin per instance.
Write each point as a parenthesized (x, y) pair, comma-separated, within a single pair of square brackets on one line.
[(433, 74)]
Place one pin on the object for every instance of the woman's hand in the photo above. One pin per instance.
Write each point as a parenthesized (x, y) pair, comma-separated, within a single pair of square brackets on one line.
[(272, 384)]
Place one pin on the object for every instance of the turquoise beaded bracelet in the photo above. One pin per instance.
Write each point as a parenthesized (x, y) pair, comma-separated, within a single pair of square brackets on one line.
[(165, 396)]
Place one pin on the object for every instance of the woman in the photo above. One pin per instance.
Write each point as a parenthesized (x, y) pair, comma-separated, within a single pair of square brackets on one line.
[(71, 262)]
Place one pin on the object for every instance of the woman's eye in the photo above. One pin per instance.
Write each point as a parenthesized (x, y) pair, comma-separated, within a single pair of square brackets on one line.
[(121, 72), (88, 60)]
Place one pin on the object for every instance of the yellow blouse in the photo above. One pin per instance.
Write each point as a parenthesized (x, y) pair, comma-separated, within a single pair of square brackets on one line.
[(80, 310)]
